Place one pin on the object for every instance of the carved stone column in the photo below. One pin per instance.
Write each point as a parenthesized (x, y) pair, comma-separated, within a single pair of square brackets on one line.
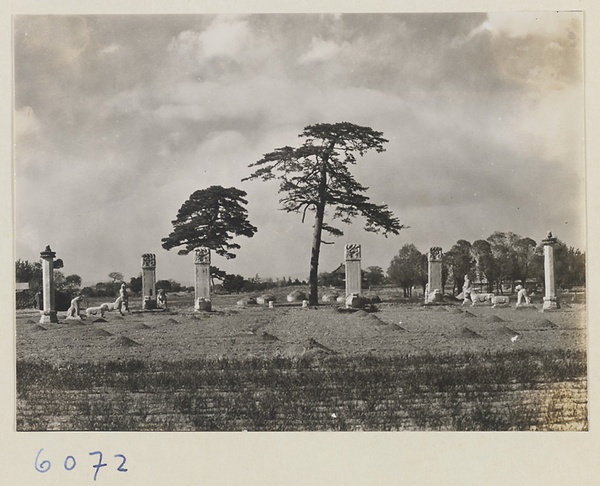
[(550, 299), (148, 281), (435, 290), (353, 272), (49, 313), (202, 300)]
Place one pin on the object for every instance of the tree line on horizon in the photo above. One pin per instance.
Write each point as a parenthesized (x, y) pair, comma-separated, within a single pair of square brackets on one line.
[(498, 263)]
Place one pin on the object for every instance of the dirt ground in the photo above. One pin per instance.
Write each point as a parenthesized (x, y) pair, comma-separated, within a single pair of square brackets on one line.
[(231, 330), (182, 370)]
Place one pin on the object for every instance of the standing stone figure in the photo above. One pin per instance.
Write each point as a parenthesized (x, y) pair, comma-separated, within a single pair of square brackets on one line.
[(522, 295), (161, 299), (466, 290), (467, 283), (73, 311), (125, 296)]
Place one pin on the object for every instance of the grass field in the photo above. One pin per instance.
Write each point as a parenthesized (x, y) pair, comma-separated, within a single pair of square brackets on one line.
[(403, 367)]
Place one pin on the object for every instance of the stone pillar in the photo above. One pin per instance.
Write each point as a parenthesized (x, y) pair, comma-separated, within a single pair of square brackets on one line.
[(353, 272), (49, 312), (550, 299), (202, 300), (435, 290), (148, 281)]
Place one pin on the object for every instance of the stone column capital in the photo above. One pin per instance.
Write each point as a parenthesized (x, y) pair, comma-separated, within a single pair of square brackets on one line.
[(352, 252), (148, 260), (47, 253), (435, 253), (549, 240), (202, 255)]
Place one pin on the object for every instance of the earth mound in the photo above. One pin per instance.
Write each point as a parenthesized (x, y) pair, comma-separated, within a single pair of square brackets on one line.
[(548, 324), (126, 342), (469, 334), (494, 319), (314, 344)]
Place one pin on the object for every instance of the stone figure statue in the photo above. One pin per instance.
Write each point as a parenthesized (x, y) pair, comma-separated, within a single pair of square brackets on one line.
[(522, 295), (73, 311), (125, 296), (161, 299)]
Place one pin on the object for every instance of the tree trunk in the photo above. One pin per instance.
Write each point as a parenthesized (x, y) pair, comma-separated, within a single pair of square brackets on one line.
[(313, 280)]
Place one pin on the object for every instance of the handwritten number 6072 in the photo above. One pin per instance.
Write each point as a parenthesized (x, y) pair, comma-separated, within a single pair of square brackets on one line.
[(70, 463)]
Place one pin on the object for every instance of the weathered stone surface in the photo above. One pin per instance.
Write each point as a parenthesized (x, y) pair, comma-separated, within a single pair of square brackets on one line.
[(202, 278), (356, 301), (203, 305), (265, 299), (296, 296), (247, 301), (434, 276), (500, 301), (550, 299), (148, 281), (352, 256)]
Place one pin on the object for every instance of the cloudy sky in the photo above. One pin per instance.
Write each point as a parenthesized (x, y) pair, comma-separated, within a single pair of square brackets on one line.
[(118, 119)]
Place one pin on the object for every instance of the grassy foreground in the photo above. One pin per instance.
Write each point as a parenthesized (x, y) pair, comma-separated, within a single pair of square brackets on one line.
[(507, 390)]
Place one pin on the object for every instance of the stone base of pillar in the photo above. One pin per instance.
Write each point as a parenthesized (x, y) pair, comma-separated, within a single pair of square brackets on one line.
[(203, 304), (355, 301), (434, 297), (47, 317), (149, 303), (550, 304)]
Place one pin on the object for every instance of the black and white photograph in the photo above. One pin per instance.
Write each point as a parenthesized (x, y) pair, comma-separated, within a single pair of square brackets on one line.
[(342, 222), (300, 222)]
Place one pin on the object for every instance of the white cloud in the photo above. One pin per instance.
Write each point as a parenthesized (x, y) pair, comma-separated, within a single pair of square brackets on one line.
[(225, 37), (485, 27), (320, 50)]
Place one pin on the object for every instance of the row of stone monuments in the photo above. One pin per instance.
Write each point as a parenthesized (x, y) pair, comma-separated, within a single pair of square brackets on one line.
[(202, 281), (352, 256), (434, 294)]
